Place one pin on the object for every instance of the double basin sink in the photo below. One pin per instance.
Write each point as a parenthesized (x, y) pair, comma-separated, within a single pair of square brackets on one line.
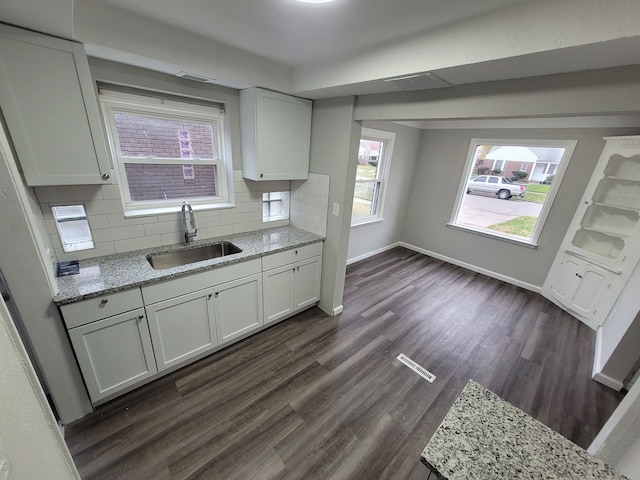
[(162, 261)]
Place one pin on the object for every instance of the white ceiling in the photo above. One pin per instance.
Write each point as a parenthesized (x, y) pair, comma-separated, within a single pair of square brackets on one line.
[(347, 47), (297, 34)]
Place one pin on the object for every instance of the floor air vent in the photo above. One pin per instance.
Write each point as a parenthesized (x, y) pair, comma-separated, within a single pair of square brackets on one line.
[(423, 372)]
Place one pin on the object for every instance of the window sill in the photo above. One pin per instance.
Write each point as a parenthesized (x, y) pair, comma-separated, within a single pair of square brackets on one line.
[(274, 218), (367, 222), (503, 238), (147, 212)]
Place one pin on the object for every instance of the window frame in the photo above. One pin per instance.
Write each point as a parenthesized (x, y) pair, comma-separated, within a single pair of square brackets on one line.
[(144, 104), (60, 219), (382, 173), (568, 145), (284, 206)]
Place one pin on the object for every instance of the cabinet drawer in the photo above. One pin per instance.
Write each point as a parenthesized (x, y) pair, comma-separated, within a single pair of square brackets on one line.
[(290, 256), (92, 309), (197, 281)]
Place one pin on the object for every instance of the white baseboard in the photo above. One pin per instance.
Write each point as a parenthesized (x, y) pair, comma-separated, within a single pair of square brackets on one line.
[(596, 373), (372, 253), (338, 310), (474, 268)]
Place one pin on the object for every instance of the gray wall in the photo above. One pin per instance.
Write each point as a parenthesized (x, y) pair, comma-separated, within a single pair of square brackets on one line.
[(438, 171), (371, 237), (334, 141)]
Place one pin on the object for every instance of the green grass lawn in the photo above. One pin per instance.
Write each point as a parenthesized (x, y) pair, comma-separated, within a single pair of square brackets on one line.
[(366, 171), (536, 193), (521, 226)]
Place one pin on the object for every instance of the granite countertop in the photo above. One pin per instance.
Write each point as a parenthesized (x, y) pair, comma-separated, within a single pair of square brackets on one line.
[(112, 273), (485, 437)]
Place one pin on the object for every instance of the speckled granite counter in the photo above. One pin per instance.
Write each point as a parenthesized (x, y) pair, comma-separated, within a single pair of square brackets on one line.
[(485, 437), (112, 273)]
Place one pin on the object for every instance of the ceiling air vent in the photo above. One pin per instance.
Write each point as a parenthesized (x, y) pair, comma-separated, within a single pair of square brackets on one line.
[(195, 78), (420, 81)]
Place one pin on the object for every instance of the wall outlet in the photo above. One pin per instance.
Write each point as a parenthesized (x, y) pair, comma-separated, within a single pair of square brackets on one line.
[(336, 209)]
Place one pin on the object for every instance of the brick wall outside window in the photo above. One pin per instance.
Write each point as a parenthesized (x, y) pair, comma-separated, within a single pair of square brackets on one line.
[(160, 182), (156, 137)]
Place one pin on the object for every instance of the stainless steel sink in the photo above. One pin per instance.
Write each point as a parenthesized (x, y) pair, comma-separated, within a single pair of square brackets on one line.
[(162, 261)]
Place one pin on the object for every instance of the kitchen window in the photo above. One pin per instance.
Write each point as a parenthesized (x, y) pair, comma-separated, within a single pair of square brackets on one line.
[(73, 227), (166, 152), (501, 204), (275, 206), (374, 157)]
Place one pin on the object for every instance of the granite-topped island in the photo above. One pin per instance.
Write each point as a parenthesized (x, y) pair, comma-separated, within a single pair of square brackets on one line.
[(483, 437)]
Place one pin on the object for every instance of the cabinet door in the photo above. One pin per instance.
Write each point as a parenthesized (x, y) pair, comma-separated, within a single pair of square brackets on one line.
[(582, 288), (565, 279), (49, 101), (238, 307), (182, 327), (278, 293), (307, 282), (114, 353), (588, 294)]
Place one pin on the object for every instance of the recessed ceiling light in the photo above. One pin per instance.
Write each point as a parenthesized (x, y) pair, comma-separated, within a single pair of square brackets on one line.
[(315, 1)]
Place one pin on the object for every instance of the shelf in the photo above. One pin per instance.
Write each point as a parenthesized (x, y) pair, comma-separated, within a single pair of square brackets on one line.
[(611, 233), (599, 243), (620, 166), (619, 207)]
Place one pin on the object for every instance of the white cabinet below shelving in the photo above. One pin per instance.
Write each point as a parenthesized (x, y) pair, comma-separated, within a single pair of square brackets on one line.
[(238, 307)]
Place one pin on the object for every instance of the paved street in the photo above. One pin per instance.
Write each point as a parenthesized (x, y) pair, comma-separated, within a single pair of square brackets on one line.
[(484, 210)]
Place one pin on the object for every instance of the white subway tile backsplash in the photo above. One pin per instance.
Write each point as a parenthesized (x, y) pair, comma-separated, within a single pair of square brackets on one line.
[(100, 207), (119, 220), (160, 228), (113, 232), (68, 193), (118, 233), (129, 244), (99, 221)]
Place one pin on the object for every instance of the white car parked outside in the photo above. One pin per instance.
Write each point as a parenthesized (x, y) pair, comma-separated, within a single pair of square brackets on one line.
[(503, 187)]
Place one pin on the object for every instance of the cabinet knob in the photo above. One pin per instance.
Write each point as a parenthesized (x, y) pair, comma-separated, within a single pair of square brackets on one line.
[(210, 295), (217, 293), (297, 269), (293, 269), (106, 176), (261, 175), (140, 317), (104, 301), (296, 252), (578, 275)]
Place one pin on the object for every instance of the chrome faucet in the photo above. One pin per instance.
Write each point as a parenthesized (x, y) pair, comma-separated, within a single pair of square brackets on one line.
[(187, 234)]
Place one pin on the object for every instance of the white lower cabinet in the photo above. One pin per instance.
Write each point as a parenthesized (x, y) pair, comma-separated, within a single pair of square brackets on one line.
[(238, 307), (182, 328), (582, 288), (114, 353), (118, 350), (291, 287)]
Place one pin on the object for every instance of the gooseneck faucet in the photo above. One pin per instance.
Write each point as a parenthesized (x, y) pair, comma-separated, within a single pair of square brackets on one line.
[(187, 234)]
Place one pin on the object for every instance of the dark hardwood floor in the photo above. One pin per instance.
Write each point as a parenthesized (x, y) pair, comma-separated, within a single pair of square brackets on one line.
[(324, 397)]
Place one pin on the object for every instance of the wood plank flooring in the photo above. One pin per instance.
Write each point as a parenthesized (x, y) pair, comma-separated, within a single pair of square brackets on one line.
[(320, 397)]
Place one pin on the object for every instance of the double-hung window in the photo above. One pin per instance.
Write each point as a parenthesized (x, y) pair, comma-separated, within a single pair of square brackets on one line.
[(166, 152), (372, 170)]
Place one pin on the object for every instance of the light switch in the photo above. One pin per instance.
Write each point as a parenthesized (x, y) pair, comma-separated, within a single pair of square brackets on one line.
[(336, 209)]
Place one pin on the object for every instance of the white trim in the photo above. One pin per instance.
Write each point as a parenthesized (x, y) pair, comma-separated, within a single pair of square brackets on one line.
[(372, 253), (596, 373), (338, 310), (503, 237), (474, 268), (382, 177)]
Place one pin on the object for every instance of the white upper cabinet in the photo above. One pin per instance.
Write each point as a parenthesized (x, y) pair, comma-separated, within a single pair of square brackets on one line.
[(49, 102), (276, 135)]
